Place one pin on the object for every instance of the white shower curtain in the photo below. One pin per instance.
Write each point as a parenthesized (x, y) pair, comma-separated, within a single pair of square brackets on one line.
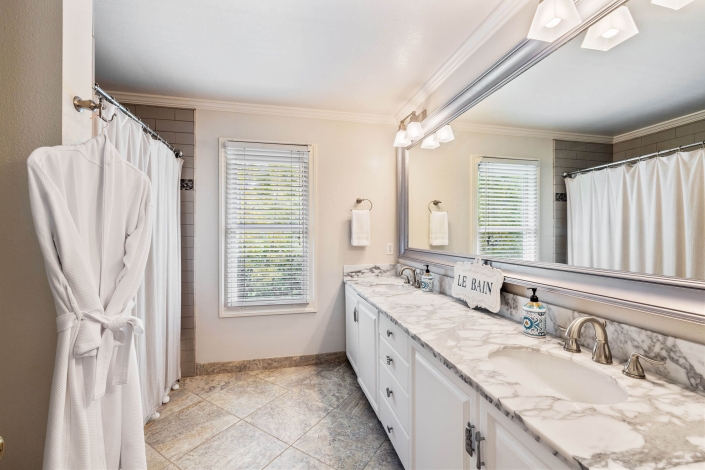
[(158, 301), (648, 217)]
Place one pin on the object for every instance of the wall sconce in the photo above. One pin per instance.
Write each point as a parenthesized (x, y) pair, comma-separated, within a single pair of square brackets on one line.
[(553, 18), (430, 142), (444, 134), (409, 132), (401, 140), (611, 30)]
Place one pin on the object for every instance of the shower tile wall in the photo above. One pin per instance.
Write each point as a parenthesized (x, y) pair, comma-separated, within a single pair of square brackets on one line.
[(663, 140), (177, 127), (570, 156)]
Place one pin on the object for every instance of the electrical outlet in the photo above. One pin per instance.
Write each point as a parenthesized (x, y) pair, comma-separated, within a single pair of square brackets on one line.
[(390, 248)]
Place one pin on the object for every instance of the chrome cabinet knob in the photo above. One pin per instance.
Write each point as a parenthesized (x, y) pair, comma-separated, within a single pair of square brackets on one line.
[(389, 392), (389, 429), (389, 360), (389, 333), (633, 367)]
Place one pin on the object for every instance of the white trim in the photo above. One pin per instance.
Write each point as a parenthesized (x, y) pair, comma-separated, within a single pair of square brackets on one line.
[(535, 133), (662, 126), (311, 307), (497, 18), (248, 108)]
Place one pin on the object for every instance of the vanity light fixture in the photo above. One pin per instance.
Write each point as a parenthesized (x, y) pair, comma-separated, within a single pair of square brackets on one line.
[(413, 130), (444, 134), (611, 30), (430, 142), (401, 140), (553, 18), (672, 4)]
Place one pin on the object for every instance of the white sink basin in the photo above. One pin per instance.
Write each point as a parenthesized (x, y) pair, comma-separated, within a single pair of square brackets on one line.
[(551, 375)]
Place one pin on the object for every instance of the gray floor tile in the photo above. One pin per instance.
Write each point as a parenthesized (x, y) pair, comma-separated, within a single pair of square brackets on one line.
[(358, 405), (343, 441), (289, 416), (291, 376), (294, 459), (386, 458), (329, 385), (206, 385), (246, 394), (241, 446), (155, 460), (177, 434), (178, 400)]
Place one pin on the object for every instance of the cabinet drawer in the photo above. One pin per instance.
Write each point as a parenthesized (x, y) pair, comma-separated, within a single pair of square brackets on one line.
[(394, 363), (394, 336), (395, 396), (395, 432)]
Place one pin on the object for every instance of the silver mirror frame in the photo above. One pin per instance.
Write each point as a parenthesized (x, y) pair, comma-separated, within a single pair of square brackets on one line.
[(590, 290)]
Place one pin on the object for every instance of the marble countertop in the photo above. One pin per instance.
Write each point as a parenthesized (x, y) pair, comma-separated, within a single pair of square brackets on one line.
[(661, 425)]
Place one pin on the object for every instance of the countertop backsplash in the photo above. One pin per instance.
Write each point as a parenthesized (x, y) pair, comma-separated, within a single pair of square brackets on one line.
[(685, 360)]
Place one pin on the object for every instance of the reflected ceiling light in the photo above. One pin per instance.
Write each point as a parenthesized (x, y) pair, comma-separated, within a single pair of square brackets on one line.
[(445, 134), (611, 30), (401, 140), (413, 130), (553, 19), (430, 142), (672, 4)]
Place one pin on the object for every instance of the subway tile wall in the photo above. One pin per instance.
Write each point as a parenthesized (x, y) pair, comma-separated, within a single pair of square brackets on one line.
[(664, 140), (177, 127), (570, 156)]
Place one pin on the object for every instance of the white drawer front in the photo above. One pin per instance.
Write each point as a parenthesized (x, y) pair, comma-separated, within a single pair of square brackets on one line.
[(394, 363), (395, 432), (394, 336), (395, 396)]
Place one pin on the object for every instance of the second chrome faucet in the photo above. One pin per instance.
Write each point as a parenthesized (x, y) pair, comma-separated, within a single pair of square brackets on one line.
[(601, 351)]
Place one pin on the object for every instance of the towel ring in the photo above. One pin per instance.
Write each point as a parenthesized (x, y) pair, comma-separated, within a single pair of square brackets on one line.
[(435, 202), (359, 201)]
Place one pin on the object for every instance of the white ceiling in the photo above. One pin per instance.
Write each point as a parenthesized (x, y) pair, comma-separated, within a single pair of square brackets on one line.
[(365, 56), (655, 76)]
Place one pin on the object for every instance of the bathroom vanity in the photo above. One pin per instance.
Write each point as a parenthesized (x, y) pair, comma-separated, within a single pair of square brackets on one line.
[(441, 378)]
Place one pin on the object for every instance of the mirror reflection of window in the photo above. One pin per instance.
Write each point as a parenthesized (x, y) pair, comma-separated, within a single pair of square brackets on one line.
[(507, 208)]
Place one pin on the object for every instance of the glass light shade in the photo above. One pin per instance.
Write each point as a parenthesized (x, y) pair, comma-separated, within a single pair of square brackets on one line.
[(430, 142), (414, 131), (401, 140), (672, 4), (445, 134), (602, 37), (553, 19)]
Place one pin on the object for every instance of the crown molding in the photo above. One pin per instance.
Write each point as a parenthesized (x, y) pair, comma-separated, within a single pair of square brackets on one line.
[(498, 18), (661, 126), (247, 108), (535, 133)]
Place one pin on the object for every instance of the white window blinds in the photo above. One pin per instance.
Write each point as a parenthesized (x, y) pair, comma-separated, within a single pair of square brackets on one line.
[(266, 243), (507, 195)]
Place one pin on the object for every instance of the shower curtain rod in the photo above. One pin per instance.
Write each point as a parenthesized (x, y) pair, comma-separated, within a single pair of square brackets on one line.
[(634, 159), (104, 95)]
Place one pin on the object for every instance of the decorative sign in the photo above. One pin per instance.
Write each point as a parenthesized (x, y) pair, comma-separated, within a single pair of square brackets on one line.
[(477, 284)]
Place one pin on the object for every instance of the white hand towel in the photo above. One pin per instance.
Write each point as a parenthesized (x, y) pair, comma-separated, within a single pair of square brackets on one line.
[(438, 228), (360, 228)]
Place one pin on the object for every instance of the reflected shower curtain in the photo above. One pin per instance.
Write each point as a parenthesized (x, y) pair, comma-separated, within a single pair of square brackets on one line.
[(158, 301), (648, 217)]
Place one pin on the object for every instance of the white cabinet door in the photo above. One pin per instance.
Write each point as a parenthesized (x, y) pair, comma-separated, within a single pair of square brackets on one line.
[(351, 326), (367, 351), (441, 412)]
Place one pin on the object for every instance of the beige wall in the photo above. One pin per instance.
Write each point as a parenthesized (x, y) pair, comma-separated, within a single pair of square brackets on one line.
[(353, 160), (663, 140), (31, 99), (445, 174)]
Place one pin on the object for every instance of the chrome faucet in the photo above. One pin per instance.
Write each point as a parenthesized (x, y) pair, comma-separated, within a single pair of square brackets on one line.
[(601, 351), (413, 275)]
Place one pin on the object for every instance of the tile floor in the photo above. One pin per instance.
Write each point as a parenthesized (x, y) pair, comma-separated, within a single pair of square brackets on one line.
[(310, 417)]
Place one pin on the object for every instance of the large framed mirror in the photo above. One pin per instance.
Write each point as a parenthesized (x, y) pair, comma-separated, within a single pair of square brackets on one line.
[(577, 165)]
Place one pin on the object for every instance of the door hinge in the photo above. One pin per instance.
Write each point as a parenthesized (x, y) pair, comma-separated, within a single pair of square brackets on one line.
[(469, 443)]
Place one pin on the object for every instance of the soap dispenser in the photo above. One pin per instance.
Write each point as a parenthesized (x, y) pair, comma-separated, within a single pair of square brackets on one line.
[(534, 317), (427, 281)]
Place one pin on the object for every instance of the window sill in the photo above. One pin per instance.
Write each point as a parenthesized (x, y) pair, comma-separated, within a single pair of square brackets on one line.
[(263, 311)]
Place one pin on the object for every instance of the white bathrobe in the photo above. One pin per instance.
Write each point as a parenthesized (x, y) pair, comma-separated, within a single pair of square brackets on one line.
[(92, 214)]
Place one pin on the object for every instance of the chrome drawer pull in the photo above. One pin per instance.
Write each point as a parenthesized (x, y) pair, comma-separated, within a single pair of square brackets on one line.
[(389, 392), (389, 429), (389, 360)]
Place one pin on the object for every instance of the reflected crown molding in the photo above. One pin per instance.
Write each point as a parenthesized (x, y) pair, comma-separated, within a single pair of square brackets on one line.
[(249, 108), (535, 133)]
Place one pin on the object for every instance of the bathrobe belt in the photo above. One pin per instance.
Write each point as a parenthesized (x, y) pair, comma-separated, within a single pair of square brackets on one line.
[(118, 331)]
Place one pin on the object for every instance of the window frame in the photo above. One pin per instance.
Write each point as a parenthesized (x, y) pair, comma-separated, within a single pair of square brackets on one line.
[(260, 310), (474, 220)]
